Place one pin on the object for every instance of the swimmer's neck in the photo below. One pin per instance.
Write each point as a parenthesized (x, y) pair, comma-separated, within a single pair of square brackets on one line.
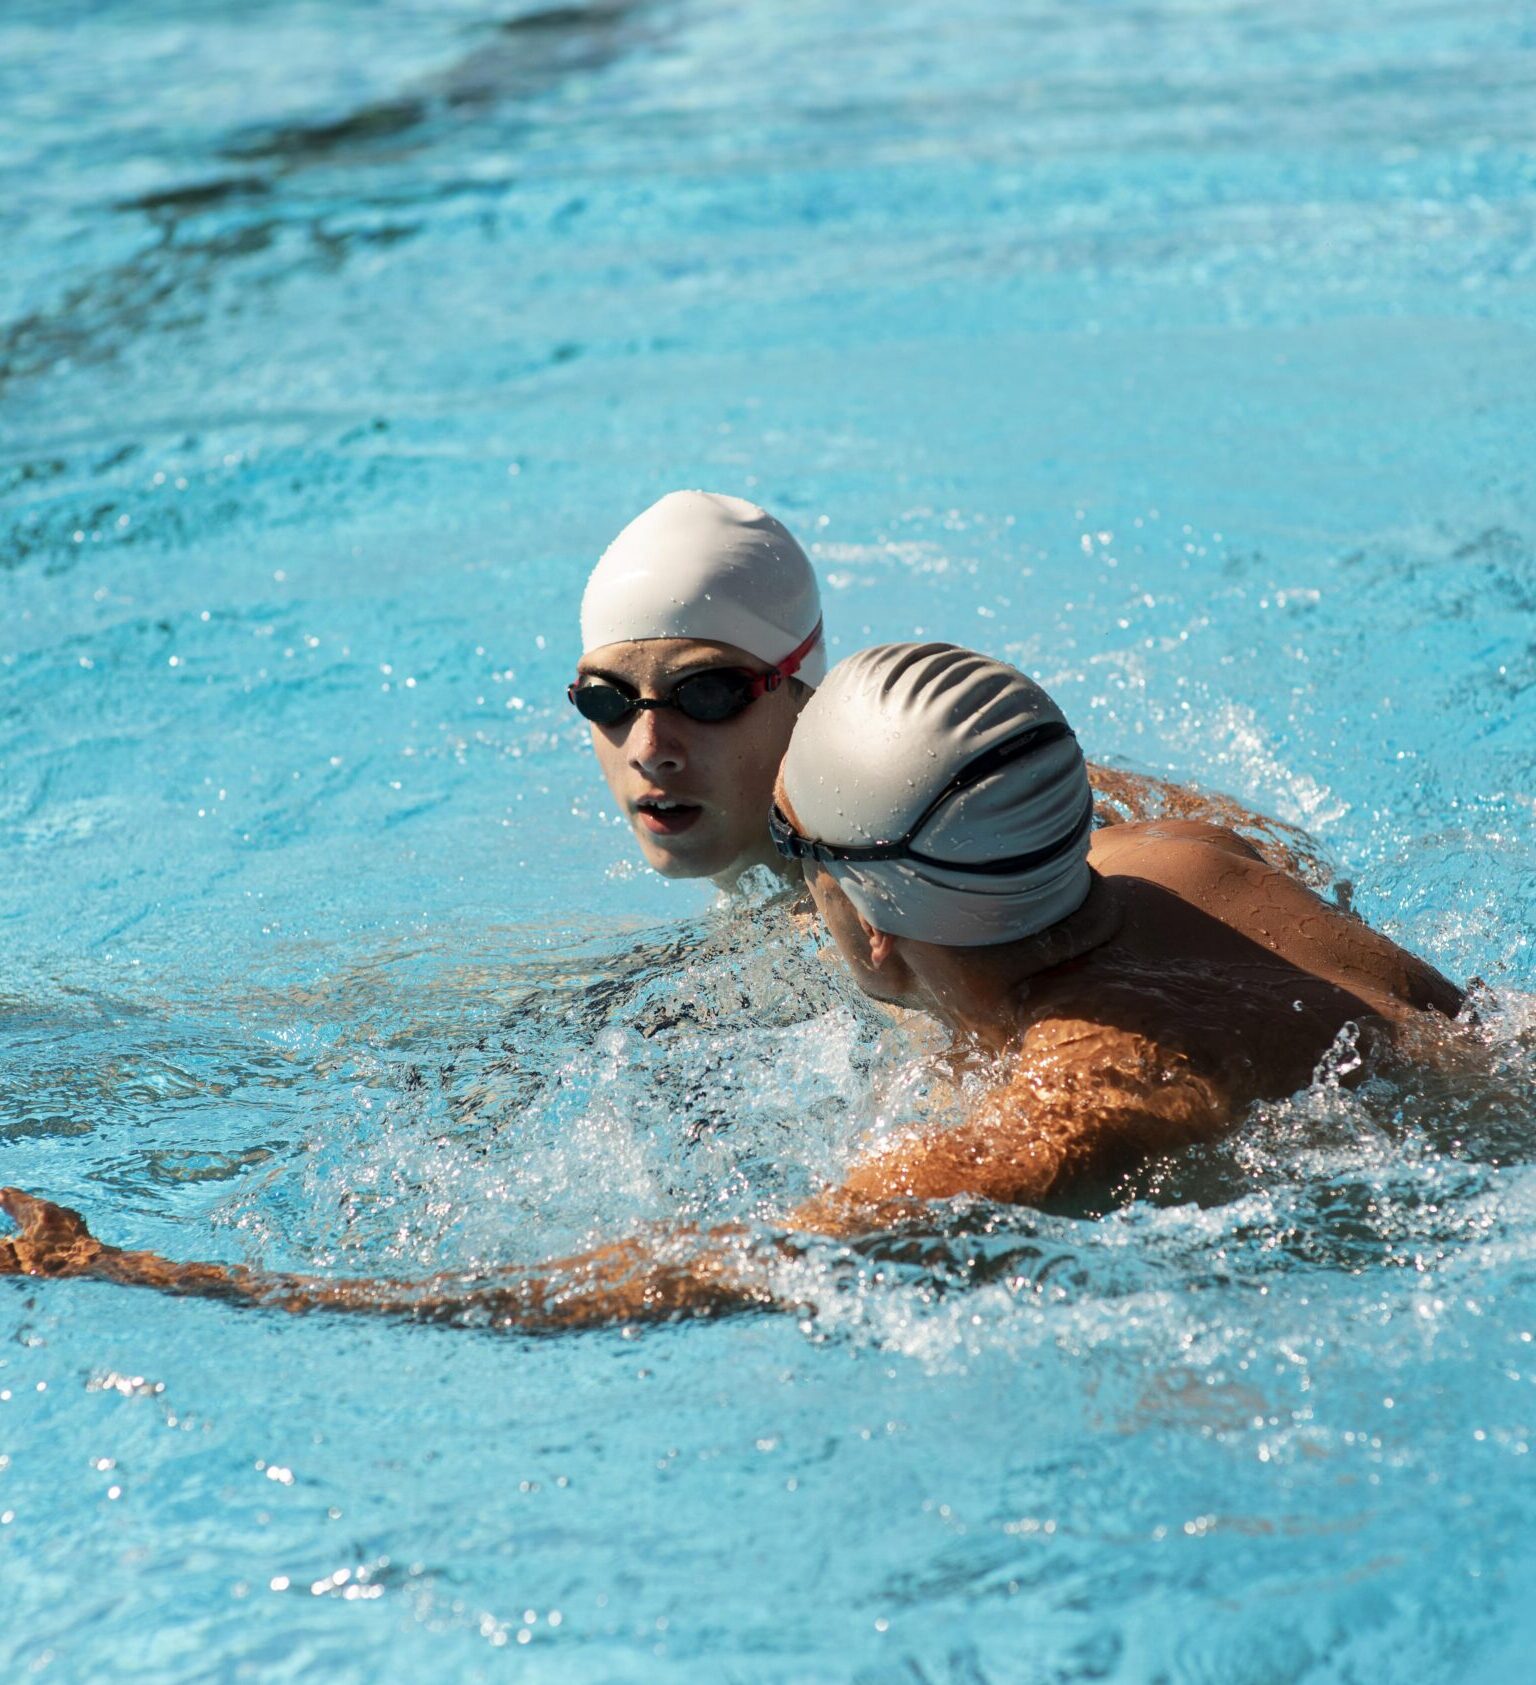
[(982, 994), (729, 881)]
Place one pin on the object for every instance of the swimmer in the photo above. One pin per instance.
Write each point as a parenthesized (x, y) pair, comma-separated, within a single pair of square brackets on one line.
[(702, 640), (1129, 993), (1135, 989)]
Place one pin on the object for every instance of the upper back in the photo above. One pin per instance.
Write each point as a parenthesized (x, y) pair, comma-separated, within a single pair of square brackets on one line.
[(1225, 965), (1231, 909)]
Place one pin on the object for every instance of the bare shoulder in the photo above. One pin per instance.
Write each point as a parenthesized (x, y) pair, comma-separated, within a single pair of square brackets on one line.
[(1123, 797), (1164, 848), (1074, 1100), (1095, 1072), (1220, 877), (1083, 1098)]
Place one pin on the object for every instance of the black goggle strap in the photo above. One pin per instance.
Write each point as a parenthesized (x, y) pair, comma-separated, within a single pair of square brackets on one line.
[(986, 763), (1016, 863), (796, 847)]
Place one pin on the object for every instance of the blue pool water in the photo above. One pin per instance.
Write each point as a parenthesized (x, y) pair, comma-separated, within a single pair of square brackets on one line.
[(1183, 351)]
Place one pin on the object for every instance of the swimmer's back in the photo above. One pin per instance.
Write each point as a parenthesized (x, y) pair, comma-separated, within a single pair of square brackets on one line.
[(1258, 907)]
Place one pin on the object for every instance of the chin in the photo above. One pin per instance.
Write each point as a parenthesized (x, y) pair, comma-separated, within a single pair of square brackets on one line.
[(874, 985), (669, 866), (696, 863)]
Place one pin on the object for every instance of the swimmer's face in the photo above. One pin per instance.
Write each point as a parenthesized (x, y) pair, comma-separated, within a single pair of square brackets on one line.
[(696, 793)]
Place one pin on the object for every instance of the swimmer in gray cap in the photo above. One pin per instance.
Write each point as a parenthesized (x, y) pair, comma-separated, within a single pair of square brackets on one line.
[(1136, 988), (1128, 992)]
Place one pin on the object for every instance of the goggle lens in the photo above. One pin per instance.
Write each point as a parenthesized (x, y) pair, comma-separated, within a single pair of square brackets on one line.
[(708, 698), (712, 697), (602, 704)]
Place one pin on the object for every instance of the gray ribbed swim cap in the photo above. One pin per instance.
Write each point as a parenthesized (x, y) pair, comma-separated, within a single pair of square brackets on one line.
[(699, 565), (886, 734)]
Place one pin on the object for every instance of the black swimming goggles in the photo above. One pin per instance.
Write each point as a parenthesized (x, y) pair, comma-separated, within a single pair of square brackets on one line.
[(793, 846), (710, 697)]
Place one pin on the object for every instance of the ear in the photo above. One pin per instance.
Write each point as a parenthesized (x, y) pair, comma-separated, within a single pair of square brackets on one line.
[(881, 943)]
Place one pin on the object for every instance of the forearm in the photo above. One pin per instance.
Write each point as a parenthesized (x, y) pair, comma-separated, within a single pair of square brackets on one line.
[(234, 1284), (648, 1278)]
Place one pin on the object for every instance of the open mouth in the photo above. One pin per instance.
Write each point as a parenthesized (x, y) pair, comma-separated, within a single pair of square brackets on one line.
[(663, 817)]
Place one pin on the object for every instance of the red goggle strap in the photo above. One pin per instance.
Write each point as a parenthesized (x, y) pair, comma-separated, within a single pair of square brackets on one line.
[(789, 666)]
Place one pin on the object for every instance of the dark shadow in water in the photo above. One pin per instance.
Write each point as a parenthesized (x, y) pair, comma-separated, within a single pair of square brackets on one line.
[(310, 143), (159, 289), (198, 196), (169, 284)]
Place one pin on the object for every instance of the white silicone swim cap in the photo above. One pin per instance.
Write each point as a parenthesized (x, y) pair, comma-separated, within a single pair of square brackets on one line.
[(875, 753), (698, 565)]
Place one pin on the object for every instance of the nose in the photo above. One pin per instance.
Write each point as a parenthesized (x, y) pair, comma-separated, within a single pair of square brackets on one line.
[(655, 744)]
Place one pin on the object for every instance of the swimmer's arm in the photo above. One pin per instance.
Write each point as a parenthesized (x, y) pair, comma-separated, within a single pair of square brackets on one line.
[(1084, 1101), (645, 1279), (1124, 797), (1081, 1100)]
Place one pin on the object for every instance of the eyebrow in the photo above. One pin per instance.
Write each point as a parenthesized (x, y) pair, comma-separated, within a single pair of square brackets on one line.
[(674, 677)]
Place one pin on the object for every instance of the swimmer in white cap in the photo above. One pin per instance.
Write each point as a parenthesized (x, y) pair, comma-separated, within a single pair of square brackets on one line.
[(1133, 993), (702, 639), (1138, 987), (701, 636)]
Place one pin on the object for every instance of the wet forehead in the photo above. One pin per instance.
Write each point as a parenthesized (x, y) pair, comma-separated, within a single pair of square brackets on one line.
[(661, 661)]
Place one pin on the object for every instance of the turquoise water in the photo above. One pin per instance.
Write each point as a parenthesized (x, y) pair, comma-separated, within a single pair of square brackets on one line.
[(1182, 353)]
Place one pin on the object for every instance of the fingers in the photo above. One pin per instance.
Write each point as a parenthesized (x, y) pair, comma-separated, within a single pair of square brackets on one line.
[(36, 1217), (53, 1240), (21, 1208), (14, 1203)]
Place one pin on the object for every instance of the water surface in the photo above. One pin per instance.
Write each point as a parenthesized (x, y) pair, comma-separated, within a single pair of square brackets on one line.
[(1181, 352)]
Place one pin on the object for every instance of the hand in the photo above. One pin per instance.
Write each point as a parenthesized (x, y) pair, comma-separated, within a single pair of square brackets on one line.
[(53, 1240)]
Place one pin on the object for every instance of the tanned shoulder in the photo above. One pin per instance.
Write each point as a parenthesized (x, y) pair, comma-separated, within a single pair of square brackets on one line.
[(1078, 1100), (1107, 1096), (1119, 846)]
